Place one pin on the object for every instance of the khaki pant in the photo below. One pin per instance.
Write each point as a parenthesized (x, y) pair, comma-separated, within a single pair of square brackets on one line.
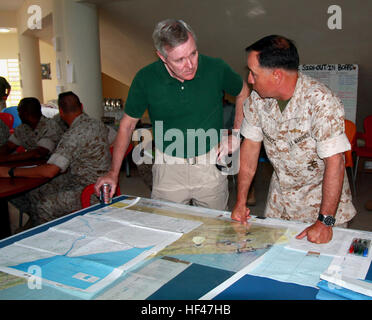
[(200, 184)]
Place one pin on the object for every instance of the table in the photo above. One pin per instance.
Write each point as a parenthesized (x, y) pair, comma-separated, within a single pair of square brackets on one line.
[(17, 185), (145, 249), (14, 186)]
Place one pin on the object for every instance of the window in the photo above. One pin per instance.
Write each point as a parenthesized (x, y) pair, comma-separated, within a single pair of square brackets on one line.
[(9, 69)]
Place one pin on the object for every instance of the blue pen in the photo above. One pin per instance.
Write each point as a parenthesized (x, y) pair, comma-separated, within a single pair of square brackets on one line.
[(365, 252)]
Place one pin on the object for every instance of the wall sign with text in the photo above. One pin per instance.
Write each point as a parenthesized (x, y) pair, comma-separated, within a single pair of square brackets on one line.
[(341, 79)]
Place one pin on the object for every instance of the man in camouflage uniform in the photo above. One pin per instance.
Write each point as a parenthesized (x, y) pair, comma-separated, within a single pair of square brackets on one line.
[(301, 123), (111, 131), (37, 134), (80, 158)]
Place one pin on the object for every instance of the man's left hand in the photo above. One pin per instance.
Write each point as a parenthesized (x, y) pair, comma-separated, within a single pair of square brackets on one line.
[(317, 233), (228, 145)]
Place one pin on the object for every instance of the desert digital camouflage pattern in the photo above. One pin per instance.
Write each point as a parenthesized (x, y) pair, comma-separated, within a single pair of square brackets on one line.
[(83, 155), (46, 134), (310, 128)]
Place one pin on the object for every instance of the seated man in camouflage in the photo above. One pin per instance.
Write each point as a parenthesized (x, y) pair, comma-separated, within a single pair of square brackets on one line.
[(80, 158), (111, 132), (37, 134)]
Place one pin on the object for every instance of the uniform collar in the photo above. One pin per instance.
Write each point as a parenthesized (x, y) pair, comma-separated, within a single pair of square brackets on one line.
[(42, 120), (77, 119), (292, 106)]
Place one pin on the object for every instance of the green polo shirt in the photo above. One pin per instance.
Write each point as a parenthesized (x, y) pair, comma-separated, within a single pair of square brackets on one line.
[(186, 116)]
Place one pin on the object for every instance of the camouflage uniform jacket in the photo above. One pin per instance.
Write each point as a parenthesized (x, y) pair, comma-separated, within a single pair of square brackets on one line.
[(111, 132), (310, 128), (46, 134), (83, 152)]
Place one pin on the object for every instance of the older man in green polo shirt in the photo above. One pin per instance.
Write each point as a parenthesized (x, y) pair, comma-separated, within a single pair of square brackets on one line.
[(183, 93)]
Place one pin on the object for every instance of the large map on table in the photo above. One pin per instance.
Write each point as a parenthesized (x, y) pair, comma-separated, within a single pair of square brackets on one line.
[(135, 241), (90, 251), (215, 250)]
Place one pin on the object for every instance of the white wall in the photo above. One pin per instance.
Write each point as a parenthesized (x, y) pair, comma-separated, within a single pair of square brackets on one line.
[(48, 55), (9, 46)]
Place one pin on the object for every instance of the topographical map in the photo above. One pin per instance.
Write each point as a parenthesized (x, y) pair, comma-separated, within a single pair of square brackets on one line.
[(217, 243), (90, 251), (217, 238), (133, 241)]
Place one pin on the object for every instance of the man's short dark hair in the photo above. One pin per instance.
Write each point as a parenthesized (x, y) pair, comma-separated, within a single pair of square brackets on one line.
[(276, 52), (69, 102), (30, 105)]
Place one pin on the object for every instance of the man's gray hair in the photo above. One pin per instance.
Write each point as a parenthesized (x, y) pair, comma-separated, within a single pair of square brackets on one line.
[(171, 33)]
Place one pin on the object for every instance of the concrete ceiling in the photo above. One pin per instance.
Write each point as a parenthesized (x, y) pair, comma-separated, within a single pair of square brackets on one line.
[(225, 27), (215, 22), (10, 5), (101, 2)]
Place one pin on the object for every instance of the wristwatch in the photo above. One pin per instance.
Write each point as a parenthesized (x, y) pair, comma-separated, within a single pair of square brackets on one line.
[(327, 220)]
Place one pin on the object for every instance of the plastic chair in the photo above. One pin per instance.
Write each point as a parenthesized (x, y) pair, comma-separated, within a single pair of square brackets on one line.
[(88, 191), (8, 119), (364, 153), (14, 112), (350, 130)]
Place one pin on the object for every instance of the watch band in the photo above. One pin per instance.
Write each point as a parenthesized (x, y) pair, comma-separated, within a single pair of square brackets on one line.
[(11, 172), (327, 220)]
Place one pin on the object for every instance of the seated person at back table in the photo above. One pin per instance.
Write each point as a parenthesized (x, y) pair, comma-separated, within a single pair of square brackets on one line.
[(111, 131), (37, 134), (80, 158)]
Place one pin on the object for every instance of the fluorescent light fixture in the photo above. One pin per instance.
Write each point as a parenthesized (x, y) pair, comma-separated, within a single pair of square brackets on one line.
[(4, 30)]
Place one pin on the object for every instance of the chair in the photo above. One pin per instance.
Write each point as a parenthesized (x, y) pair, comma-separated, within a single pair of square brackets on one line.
[(88, 191), (8, 119), (14, 112), (20, 149), (364, 153), (350, 130)]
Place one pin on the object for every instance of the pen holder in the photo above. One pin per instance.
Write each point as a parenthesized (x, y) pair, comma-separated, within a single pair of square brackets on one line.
[(360, 247)]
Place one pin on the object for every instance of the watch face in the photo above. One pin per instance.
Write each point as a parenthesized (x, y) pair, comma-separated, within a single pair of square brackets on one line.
[(329, 221)]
